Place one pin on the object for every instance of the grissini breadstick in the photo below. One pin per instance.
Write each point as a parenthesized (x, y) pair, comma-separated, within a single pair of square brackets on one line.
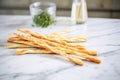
[(87, 57), (29, 51), (40, 51), (28, 46), (44, 37), (41, 41), (62, 53), (72, 39), (32, 51), (75, 39), (60, 32), (37, 35), (56, 44), (51, 48), (51, 45), (10, 39), (18, 46), (67, 38), (73, 51)]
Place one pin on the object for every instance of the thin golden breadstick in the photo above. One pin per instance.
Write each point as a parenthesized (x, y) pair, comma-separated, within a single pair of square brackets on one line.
[(60, 32), (65, 46), (79, 49), (35, 34), (31, 51), (87, 57), (41, 46), (89, 52), (64, 43), (57, 37), (10, 39), (13, 39), (18, 46), (37, 51), (70, 50), (28, 43), (28, 46), (54, 43), (42, 42), (67, 38), (74, 51), (76, 38), (62, 53), (51, 48)]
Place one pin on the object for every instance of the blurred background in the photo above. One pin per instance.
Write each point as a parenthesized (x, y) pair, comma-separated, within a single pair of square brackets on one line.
[(96, 8)]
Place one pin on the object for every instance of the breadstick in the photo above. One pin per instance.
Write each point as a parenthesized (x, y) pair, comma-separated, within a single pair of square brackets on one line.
[(18, 46), (51, 48), (10, 39), (64, 43), (31, 51), (75, 39), (87, 57), (26, 44), (67, 38), (60, 32), (35, 43), (70, 50), (83, 51), (62, 53), (74, 51)]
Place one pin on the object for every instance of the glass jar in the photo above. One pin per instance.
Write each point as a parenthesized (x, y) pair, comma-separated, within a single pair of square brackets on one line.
[(79, 11), (41, 12)]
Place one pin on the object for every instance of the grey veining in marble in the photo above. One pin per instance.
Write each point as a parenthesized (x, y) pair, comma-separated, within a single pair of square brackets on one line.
[(103, 36)]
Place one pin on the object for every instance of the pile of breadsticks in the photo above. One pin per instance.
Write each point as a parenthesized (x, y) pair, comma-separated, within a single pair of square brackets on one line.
[(26, 41)]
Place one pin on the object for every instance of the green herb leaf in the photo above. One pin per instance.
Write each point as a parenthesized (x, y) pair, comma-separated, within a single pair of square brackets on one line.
[(43, 19)]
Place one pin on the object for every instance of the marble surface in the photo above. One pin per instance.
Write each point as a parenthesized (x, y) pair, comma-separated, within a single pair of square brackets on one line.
[(103, 36)]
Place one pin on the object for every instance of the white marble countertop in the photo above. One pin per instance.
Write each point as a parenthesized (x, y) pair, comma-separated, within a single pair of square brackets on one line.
[(103, 36)]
